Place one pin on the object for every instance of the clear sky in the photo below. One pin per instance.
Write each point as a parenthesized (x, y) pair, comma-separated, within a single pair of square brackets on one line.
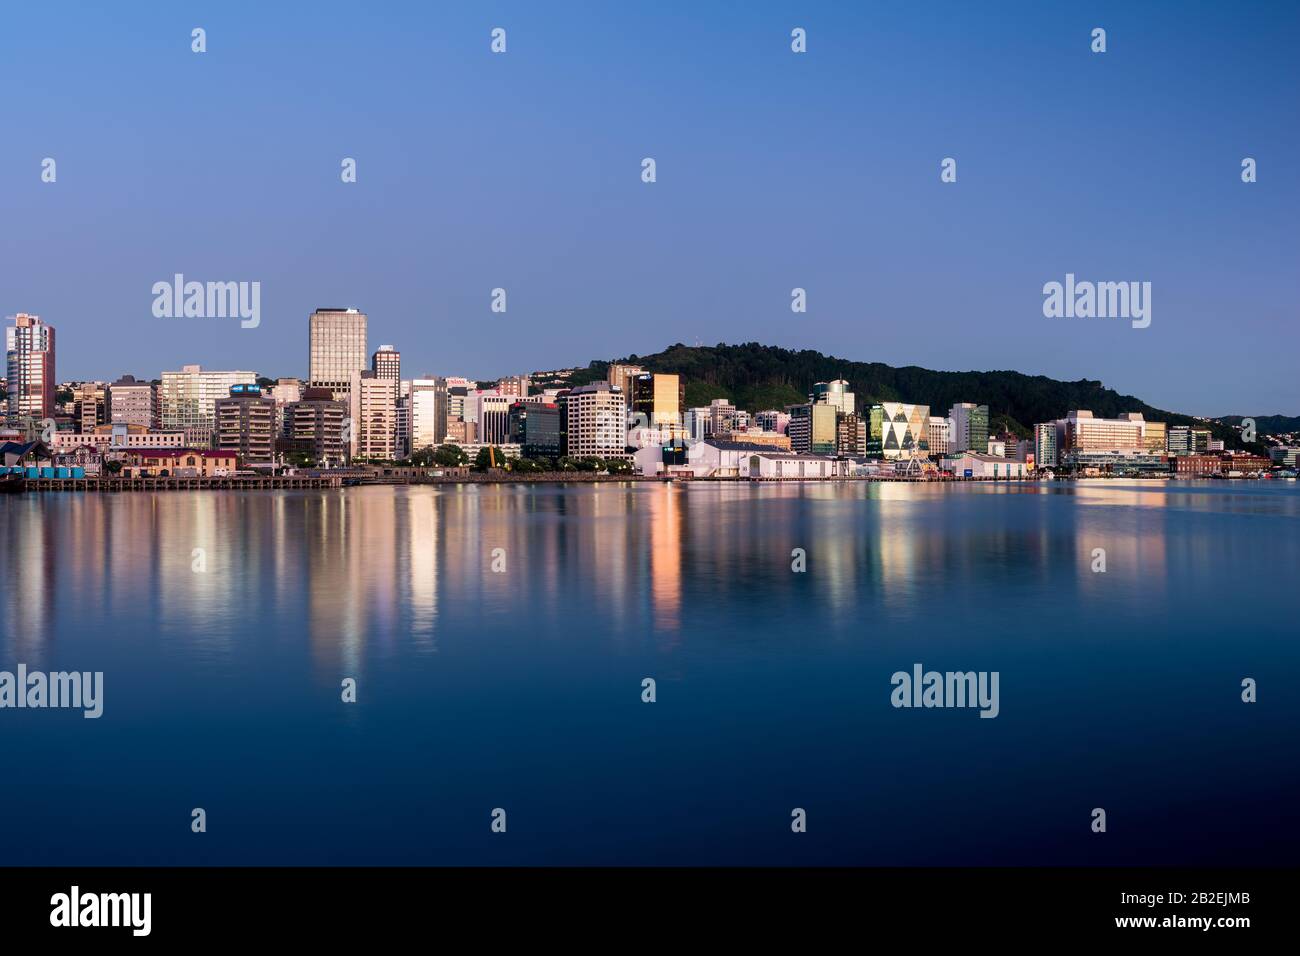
[(775, 170)]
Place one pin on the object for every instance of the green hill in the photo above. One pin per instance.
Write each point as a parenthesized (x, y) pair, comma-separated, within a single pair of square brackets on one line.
[(757, 377)]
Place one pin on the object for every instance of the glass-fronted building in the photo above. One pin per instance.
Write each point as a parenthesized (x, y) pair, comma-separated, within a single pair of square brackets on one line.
[(898, 430)]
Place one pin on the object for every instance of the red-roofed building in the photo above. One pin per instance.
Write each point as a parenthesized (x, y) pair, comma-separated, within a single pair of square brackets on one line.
[(179, 463)]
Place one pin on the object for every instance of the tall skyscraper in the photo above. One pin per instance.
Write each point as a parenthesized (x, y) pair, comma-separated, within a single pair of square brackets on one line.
[(337, 349), (29, 367), (387, 363)]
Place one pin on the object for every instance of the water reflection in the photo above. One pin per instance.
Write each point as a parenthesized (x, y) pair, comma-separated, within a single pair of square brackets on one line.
[(363, 575)]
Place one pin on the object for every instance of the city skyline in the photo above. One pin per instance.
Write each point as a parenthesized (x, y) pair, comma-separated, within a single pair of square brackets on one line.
[(454, 198)]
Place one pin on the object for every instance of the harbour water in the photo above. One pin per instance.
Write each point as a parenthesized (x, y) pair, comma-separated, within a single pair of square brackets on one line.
[(499, 637)]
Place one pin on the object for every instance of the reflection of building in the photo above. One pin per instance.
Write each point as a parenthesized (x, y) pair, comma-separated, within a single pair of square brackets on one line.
[(596, 421), (812, 428), (245, 425), (899, 431), (188, 400), (970, 427), (29, 367), (337, 344)]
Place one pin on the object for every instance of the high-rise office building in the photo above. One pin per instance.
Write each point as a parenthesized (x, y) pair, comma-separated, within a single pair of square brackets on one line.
[(1045, 445), (835, 394), (386, 363), (29, 367), (1155, 438), (812, 428), (188, 400), (428, 413), (245, 425), (970, 428), (133, 402), (772, 420), (373, 403), (337, 345), (595, 421), (516, 386), (661, 401)]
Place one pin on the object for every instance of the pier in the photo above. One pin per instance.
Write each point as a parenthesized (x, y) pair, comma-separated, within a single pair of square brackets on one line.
[(151, 483)]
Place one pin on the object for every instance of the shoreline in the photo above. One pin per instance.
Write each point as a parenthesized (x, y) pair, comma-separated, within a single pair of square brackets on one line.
[(340, 482)]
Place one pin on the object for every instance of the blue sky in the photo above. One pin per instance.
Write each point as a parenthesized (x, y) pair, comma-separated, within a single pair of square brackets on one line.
[(775, 170)]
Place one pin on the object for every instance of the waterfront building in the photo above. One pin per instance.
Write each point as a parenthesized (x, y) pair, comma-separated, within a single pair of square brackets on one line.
[(314, 427), (971, 464), (836, 394), (1079, 431), (372, 404), (180, 463), (30, 380), (1285, 456), (939, 431), (812, 428), (132, 402), (595, 421), (109, 437), (188, 400), (716, 458), (969, 429), (899, 430), (245, 425), (337, 349), (1155, 438), (535, 427)]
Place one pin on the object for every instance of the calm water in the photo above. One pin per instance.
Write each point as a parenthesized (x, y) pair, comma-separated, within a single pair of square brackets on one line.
[(522, 689)]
